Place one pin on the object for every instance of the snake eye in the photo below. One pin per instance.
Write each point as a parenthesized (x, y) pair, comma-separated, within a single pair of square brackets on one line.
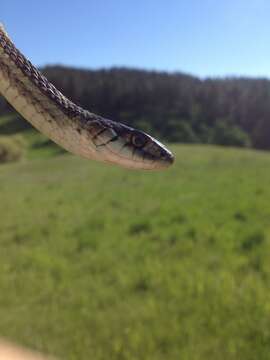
[(138, 140)]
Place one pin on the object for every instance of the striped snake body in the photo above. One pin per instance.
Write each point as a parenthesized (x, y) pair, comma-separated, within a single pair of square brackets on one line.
[(75, 129)]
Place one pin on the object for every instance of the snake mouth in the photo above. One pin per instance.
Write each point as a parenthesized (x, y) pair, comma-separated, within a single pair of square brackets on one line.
[(139, 160)]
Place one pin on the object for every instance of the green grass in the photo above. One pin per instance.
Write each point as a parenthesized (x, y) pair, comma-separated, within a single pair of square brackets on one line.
[(102, 263)]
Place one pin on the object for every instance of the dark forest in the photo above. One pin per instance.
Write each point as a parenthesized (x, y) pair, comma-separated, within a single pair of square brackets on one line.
[(175, 107)]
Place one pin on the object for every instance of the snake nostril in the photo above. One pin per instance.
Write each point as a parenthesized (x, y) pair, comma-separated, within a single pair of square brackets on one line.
[(166, 156), (171, 158)]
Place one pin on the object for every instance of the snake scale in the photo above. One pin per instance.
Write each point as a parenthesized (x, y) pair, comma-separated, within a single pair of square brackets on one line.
[(75, 129)]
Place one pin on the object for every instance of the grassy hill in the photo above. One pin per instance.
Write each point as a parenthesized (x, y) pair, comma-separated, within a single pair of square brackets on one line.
[(37, 145), (98, 262)]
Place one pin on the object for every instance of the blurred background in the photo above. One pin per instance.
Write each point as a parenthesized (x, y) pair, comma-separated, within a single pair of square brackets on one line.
[(105, 263)]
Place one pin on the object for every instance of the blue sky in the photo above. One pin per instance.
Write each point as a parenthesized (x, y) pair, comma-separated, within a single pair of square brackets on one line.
[(200, 37)]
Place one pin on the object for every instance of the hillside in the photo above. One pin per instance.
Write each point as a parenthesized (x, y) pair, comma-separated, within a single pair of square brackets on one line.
[(89, 270), (175, 107)]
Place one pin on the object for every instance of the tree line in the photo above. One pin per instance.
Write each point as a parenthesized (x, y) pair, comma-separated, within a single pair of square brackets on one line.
[(173, 106)]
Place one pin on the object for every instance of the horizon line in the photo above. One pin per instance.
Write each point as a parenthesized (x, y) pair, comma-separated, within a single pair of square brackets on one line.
[(156, 70)]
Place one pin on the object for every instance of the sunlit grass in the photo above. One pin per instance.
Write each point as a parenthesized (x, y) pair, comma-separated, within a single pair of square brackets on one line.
[(103, 263)]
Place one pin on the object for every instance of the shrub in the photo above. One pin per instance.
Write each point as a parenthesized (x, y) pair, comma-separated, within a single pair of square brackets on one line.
[(11, 148), (180, 131), (228, 134)]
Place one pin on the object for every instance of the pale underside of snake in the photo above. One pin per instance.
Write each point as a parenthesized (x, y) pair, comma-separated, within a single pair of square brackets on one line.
[(75, 129)]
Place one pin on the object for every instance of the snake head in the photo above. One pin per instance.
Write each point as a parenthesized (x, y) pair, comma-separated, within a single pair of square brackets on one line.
[(130, 148)]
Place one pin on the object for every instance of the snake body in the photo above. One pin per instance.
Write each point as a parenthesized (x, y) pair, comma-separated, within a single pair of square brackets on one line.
[(75, 129)]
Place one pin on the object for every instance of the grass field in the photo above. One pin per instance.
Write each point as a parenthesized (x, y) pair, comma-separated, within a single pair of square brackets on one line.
[(103, 263)]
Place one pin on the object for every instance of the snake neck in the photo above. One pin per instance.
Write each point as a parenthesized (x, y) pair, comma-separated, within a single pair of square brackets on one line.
[(28, 70), (40, 103)]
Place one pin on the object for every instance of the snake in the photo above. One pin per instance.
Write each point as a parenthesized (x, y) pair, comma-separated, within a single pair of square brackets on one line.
[(77, 130)]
